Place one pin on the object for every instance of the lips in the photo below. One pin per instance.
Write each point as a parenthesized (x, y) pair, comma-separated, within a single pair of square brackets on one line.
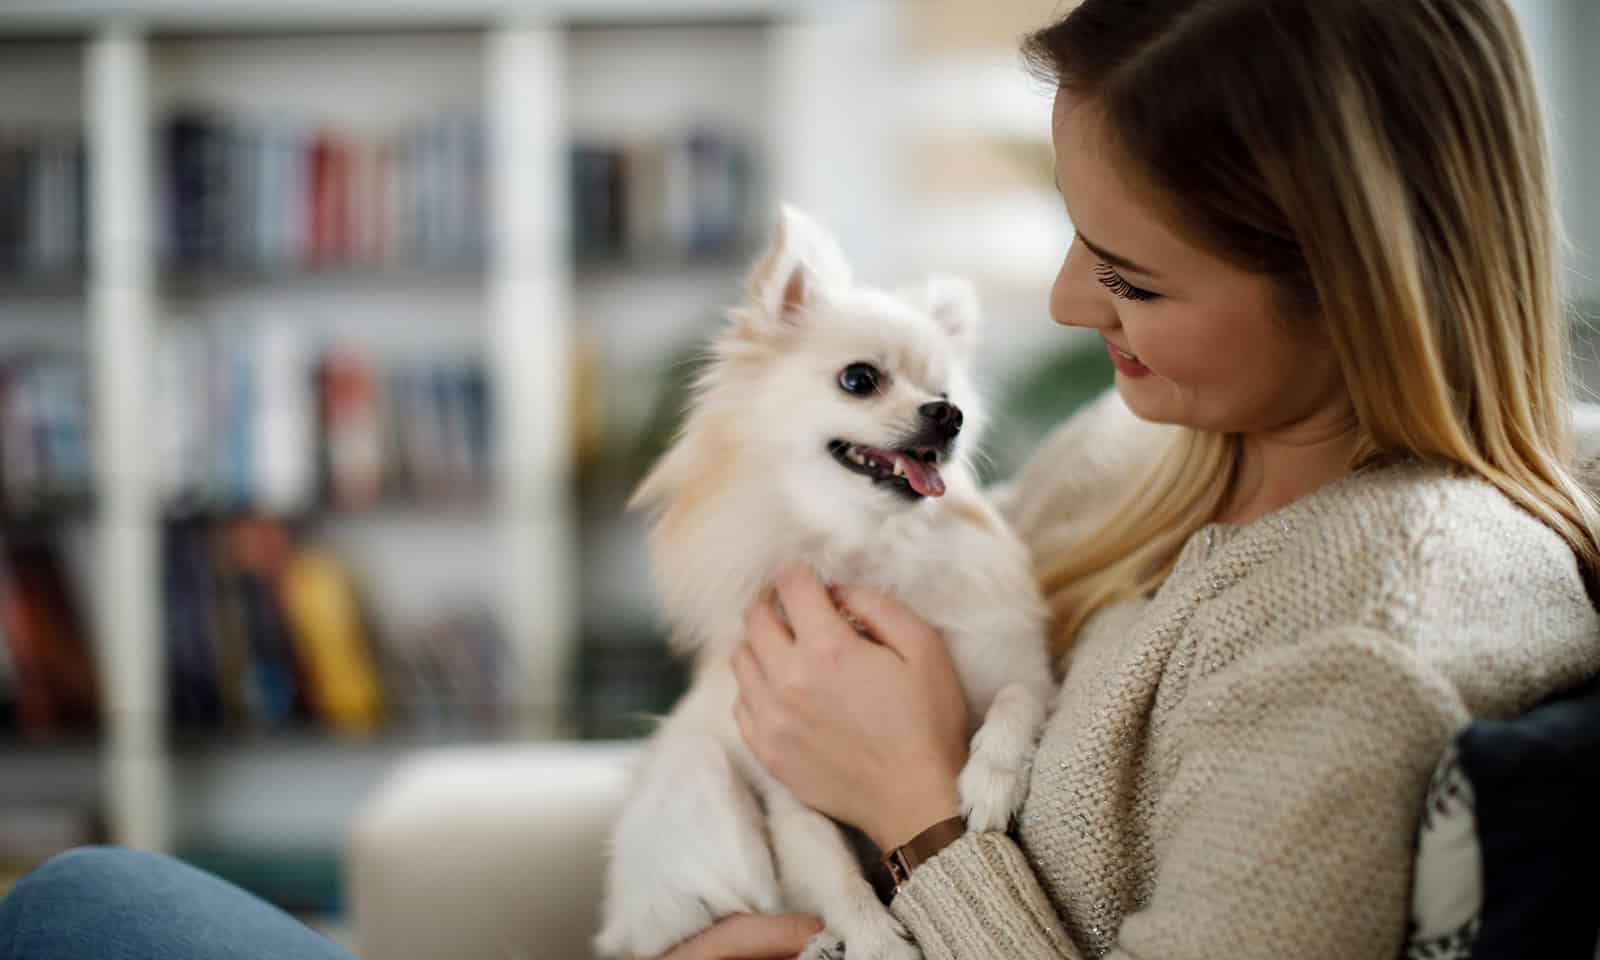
[(1127, 364)]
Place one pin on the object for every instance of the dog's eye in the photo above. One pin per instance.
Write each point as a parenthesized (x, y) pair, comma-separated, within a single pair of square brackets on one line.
[(859, 378)]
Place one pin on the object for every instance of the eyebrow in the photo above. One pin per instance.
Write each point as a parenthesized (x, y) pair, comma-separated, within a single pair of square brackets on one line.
[(1115, 260), (1102, 252)]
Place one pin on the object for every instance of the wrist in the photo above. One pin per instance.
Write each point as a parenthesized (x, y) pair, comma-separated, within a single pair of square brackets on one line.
[(914, 816)]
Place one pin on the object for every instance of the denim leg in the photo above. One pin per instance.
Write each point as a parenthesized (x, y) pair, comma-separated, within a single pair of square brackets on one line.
[(102, 903)]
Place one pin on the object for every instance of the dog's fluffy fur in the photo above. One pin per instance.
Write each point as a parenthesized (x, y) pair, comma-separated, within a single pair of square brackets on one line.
[(757, 479)]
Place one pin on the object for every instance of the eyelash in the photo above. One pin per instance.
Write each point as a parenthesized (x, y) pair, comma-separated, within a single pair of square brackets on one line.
[(1119, 286)]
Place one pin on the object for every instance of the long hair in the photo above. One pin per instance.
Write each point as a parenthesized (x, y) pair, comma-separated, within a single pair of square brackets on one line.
[(1385, 162)]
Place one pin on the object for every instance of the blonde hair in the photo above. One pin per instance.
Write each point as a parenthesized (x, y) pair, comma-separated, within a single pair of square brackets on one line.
[(1385, 161)]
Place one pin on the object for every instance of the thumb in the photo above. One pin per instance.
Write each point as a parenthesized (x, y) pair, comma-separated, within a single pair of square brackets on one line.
[(748, 936), (888, 621)]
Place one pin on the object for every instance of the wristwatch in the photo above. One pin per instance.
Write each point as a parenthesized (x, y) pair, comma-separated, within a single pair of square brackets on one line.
[(894, 869)]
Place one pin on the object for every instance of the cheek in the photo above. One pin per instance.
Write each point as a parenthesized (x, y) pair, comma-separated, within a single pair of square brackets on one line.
[(1187, 348)]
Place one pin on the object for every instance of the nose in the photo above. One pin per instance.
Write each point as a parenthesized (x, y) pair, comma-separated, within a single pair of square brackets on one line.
[(1076, 298), (946, 417)]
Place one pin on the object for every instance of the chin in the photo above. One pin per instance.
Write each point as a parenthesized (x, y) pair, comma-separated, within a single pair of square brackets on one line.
[(1149, 398)]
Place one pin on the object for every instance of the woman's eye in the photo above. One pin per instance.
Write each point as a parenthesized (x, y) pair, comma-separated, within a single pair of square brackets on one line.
[(1119, 286), (859, 378)]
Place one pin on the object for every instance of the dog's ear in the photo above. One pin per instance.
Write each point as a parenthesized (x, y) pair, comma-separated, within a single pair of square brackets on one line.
[(952, 302), (801, 262)]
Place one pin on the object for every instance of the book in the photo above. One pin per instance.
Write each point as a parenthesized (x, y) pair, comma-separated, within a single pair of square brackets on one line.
[(55, 681), (320, 601)]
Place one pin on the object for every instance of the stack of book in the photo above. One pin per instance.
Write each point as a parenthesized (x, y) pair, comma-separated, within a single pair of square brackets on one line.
[(285, 196), (261, 419), (266, 631), (671, 199), (42, 210), (45, 444), (411, 430), (48, 686)]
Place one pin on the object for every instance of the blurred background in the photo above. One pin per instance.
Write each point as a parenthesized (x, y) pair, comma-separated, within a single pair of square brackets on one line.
[(334, 336)]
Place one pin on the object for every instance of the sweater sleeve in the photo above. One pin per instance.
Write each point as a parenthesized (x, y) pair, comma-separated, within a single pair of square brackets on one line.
[(1284, 825)]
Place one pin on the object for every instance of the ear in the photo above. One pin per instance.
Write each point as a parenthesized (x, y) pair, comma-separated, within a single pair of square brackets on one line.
[(952, 302), (801, 261)]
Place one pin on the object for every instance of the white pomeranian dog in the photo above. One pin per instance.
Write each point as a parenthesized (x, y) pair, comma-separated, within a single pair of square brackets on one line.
[(832, 427)]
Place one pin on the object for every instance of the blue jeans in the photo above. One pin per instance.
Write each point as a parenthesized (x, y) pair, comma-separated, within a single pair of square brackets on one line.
[(102, 903)]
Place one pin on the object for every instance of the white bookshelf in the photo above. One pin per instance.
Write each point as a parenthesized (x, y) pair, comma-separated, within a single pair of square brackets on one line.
[(541, 73)]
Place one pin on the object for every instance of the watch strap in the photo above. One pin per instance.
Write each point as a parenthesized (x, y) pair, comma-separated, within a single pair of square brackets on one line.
[(896, 866)]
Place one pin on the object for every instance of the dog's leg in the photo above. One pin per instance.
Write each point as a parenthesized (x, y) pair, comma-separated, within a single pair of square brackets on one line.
[(689, 849), (820, 873), (995, 780)]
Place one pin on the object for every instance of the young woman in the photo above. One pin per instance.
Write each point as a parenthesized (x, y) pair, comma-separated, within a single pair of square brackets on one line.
[(1341, 522), (1328, 517)]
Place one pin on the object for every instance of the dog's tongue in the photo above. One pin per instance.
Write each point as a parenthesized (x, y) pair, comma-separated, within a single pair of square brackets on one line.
[(924, 478)]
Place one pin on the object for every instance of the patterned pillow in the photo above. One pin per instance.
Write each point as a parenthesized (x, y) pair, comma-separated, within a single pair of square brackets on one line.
[(1447, 885)]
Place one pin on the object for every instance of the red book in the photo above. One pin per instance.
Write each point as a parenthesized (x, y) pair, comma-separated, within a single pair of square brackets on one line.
[(329, 199), (352, 431)]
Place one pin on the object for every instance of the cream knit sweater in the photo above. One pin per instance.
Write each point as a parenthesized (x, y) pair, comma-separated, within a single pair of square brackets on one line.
[(1235, 766)]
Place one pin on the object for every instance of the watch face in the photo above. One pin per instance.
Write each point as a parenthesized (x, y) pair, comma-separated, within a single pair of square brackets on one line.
[(899, 870)]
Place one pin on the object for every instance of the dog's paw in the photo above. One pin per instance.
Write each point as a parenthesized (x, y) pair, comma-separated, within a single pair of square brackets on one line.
[(824, 946), (991, 793), (884, 939)]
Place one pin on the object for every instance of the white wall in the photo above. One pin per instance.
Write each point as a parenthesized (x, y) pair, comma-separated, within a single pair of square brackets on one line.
[(1559, 34)]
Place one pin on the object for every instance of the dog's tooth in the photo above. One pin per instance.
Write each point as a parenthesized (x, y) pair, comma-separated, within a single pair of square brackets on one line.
[(899, 468)]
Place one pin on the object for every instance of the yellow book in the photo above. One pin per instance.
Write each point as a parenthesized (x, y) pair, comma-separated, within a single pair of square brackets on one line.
[(341, 677)]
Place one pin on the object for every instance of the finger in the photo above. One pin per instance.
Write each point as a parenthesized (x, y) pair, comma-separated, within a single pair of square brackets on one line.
[(811, 610), (747, 728), (768, 640), (752, 679), (765, 612), (749, 936), (889, 622)]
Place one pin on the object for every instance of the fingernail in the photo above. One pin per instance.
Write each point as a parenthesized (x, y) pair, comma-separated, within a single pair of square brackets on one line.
[(817, 925)]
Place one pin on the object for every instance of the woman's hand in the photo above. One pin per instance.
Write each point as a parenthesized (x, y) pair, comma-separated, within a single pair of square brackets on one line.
[(871, 730), (748, 936)]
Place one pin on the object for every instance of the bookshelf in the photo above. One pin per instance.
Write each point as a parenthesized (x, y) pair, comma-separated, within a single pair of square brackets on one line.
[(519, 303)]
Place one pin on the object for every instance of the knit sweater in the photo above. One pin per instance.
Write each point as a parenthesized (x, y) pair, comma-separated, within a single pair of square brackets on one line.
[(1235, 765)]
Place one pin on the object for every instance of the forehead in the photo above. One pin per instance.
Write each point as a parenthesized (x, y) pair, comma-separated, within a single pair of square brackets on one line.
[(1103, 193), (881, 330)]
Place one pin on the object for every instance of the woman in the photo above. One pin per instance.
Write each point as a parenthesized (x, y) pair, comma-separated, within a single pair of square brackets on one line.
[(1328, 516), (1317, 238)]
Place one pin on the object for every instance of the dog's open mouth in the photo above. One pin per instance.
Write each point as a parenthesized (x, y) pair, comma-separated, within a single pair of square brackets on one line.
[(914, 472)]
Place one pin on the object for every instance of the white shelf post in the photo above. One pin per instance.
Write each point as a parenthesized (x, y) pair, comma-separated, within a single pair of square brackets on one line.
[(127, 585), (834, 130), (530, 350)]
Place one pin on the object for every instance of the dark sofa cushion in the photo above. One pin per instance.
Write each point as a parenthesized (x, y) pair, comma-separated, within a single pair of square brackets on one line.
[(1536, 789)]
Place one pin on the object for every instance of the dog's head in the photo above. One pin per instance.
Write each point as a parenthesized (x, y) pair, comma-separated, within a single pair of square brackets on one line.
[(837, 394)]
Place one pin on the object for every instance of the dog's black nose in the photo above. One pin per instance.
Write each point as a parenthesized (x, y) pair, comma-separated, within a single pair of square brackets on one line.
[(946, 417)]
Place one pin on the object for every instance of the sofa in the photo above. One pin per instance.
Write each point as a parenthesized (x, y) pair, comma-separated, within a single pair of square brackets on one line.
[(497, 852)]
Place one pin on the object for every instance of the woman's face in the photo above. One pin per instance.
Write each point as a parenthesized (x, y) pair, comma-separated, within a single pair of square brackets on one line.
[(1214, 349)]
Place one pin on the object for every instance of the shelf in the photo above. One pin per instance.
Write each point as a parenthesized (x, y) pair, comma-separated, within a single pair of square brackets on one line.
[(205, 282), (547, 79), (249, 745), (465, 508), (57, 16), (46, 285), (63, 767), (43, 523)]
